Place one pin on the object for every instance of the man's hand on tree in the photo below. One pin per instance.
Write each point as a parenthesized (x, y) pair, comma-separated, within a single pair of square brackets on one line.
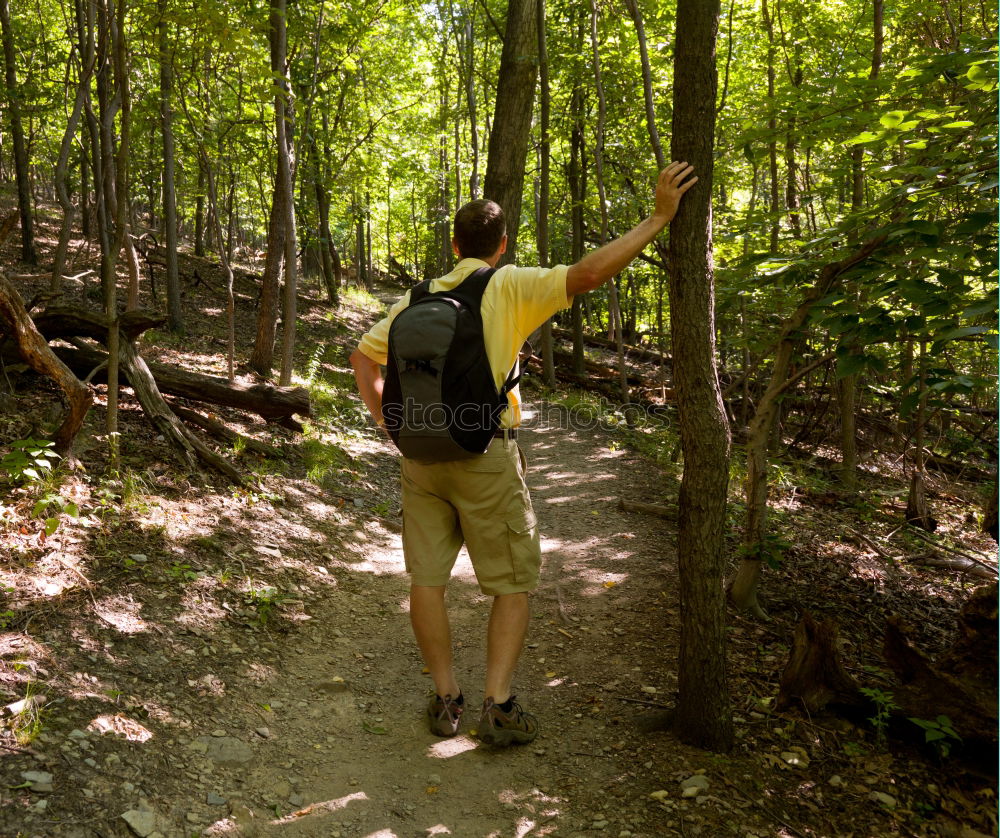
[(670, 186)]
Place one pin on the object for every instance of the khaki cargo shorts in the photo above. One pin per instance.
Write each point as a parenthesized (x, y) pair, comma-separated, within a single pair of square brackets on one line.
[(482, 502)]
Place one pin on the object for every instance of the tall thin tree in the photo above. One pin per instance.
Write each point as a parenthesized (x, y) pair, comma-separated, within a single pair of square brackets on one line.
[(703, 715)]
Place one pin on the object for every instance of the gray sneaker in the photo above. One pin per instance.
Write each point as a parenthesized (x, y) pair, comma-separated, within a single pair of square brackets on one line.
[(500, 728), (445, 715)]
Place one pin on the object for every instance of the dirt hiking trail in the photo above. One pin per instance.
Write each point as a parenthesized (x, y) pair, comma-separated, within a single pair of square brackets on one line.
[(348, 743)]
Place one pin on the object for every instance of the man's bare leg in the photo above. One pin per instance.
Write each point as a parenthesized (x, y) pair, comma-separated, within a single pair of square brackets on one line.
[(429, 619), (504, 641)]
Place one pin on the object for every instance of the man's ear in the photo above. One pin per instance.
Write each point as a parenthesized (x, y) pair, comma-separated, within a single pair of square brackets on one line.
[(454, 248), (503, 244)]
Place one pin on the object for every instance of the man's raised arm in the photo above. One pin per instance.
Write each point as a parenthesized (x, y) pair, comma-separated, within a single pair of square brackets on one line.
[(598, 266)]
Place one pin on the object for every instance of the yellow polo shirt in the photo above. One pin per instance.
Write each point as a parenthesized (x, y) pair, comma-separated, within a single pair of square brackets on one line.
[(517, 301)]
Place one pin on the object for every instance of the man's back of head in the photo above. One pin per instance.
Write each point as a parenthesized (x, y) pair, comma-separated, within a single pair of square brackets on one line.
[(479, 229)]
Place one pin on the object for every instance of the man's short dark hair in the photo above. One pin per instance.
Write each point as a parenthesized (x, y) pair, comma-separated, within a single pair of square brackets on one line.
[(479, 228)]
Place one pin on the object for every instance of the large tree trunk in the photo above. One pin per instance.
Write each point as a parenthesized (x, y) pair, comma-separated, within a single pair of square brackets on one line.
[(17, 132), (36, 352), (508, 145), (175, 317), (703, 715), (262, 357)]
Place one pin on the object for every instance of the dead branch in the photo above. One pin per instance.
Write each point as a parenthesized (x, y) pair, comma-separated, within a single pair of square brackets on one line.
[(37, 353)]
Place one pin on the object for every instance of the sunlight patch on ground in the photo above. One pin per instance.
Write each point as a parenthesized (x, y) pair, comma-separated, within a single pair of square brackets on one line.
[(122, 615), (122, 726), (50, 586), (324, 808), (447, 748), (382, 833)]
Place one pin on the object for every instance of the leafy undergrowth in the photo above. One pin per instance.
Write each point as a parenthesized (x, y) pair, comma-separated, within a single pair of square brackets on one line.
[(136, 599)]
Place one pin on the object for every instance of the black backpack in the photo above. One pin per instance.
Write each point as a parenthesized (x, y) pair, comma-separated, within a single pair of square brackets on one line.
[(440, 402)]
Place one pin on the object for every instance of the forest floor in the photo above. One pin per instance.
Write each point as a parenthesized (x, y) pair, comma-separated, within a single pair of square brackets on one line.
[(194, 659)]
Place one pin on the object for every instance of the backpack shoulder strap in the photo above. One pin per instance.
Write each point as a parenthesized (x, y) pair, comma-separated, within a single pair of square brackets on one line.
[(421, 289), (471, 289)]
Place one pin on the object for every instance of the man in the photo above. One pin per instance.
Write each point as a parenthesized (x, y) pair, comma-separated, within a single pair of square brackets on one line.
[(483, 501)]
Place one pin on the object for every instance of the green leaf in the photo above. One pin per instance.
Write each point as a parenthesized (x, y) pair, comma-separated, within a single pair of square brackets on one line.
[(957, 332), (865, 137), (892, 119), (961, 123), (977, 73), (51, 525)]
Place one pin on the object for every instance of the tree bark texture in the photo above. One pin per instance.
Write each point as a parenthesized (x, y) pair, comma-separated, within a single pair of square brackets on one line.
[(704, 717), (38, 354), (262, 357), (13, 108), (508, 146)]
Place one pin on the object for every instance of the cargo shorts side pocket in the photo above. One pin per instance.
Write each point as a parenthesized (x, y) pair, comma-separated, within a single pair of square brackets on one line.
[(525, 548)]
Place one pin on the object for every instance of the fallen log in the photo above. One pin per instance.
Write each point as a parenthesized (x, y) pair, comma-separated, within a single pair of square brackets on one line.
[(38, 354), (155, 407), (601, 370), (632, 353), (647, 508), (273, 403), (224, 434), (605, 387), (960, 563), (73, 321)]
